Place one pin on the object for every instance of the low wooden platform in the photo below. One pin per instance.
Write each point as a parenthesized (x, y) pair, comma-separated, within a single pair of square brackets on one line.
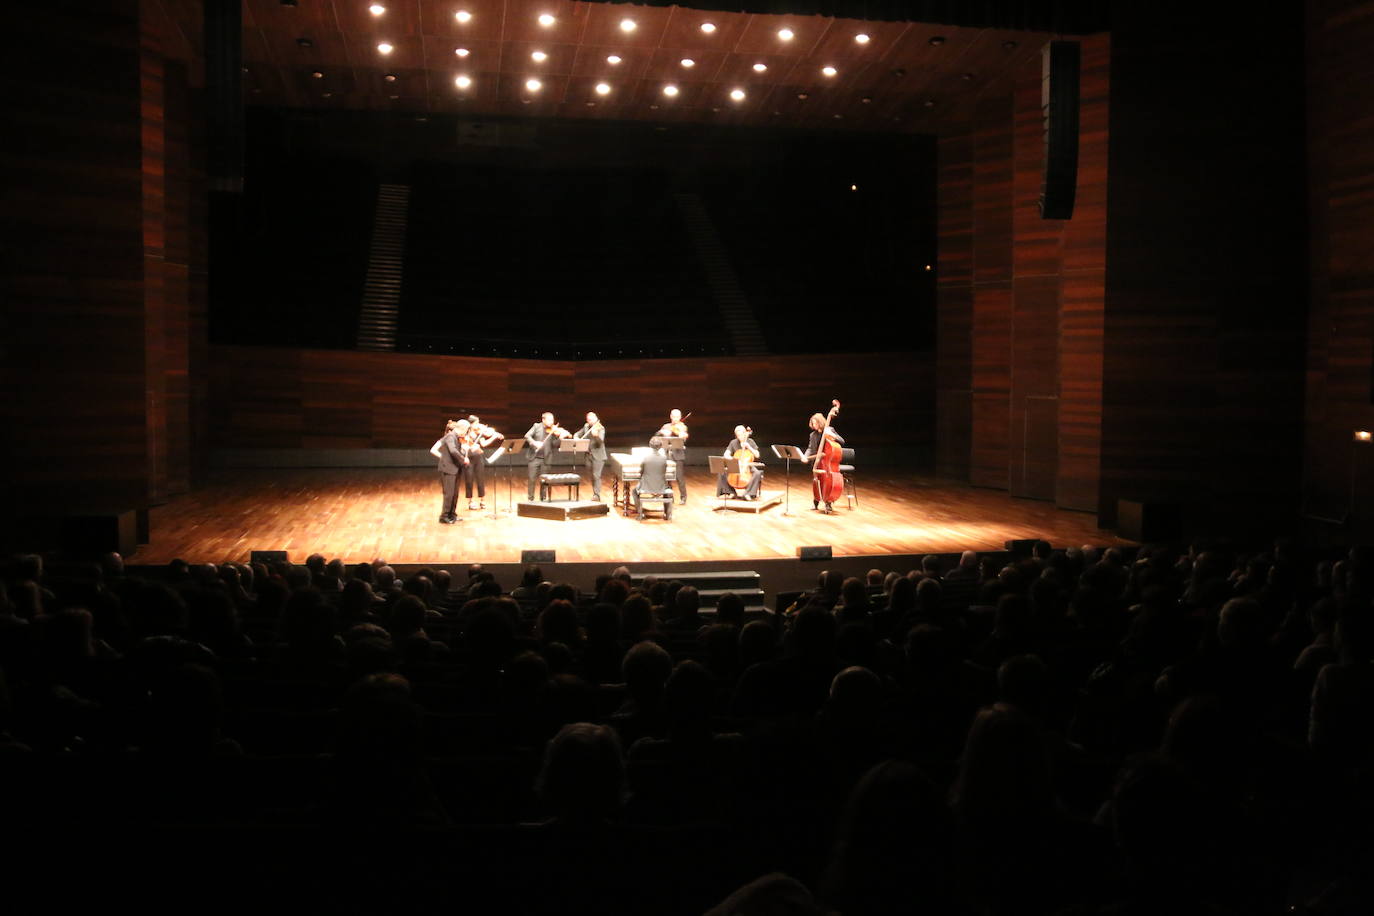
[(767, 499), (359, 514), (561, 510)]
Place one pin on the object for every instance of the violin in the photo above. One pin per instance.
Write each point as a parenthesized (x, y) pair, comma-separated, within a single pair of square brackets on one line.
[(676, 430), (745, 456), (827, 483)]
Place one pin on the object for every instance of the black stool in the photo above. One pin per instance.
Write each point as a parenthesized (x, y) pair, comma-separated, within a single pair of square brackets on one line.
[(572, 481)]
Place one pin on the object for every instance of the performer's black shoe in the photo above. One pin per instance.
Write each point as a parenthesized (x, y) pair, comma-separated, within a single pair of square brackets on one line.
[(445, 520)]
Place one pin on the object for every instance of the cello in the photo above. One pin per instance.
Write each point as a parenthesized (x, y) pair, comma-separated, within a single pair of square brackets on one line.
[(745, 456), (827, 483)]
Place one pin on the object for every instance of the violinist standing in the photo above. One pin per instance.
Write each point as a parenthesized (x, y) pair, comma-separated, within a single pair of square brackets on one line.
[(594, 431), (742, 443), (541, 436), (678, 429)]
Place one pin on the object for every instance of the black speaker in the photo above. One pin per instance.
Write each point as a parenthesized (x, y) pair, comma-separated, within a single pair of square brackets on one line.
[(1137, 520), (96, 533), (814, 553), (1059, 114), (267, 557), (536, 556)]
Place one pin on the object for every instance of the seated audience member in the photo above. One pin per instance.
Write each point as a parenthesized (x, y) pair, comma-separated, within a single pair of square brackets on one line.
[(558, 623), (772, 895), (646, 669), (968, 569), (797, 683), (730, 609), (758, 642), (686, 614), (893, 847), (854, 605), (637, 621), (1344, 694), (874, 578), (582, 782), (358, 603), (529, 582), (602, 653)]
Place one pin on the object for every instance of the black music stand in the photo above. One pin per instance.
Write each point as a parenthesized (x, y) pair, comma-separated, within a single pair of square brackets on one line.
[(513, 447), (788, 453), (720, 464), (680, 467), (576, 447)]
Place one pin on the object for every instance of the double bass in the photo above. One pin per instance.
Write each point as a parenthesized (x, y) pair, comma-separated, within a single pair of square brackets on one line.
[(827, 483), (745, 457)]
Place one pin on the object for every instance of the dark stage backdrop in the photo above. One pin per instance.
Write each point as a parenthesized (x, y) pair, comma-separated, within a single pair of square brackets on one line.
[(274, 398)]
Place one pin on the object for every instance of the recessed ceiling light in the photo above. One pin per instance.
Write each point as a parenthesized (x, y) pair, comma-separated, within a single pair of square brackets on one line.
[(533, 85), (546, 19), (591, 104), (390, 77), (937, 40), (463, 16), (393, 97), (828, 71), (839, 117), (737, 95), (627, 25), (305, 42), (461, 52), (708, 27), (853, 187), (1009, 45), (538, 57), (670, 90), (929, 103), (786, 34), (327, 95), (867, 100), (862, 38), (613, 59), (653, 108), (603, 88), (385, 47), (803, 96), (318, 74), (967, 77), (688, 62), (759, 68), (463, 82), (376, 9)]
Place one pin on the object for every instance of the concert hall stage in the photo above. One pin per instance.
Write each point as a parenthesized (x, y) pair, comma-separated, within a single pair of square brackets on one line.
[(358, 514)]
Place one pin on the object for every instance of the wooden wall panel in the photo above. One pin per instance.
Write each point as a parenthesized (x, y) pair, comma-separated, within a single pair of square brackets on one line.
[(1205, 296), (954, 304), (280, 398), (154, 121), (1340, 350), (71, 262)]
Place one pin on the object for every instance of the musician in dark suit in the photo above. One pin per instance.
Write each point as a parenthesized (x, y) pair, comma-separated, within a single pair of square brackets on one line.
[(653, 478), (596, 432), (677, 429), (742, 440), (452, 456), (542, 436)]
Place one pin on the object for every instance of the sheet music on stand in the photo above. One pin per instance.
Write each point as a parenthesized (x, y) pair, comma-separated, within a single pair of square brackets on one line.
[(722, 465), (575, 447), (788, 453), (511, 447), (672, 442)]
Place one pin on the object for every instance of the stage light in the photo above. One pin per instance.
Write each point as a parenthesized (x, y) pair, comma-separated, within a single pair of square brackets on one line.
[(737, 95), (627, 25), (786, 34), (533, 85), (803, 96), (319, 75), (867, 100), (929, 103), (688, 62), (670, 90), (828, 71), (305, 43), (759, 68), (937, 40), (853, 187), (463, 82), (708, 27), (461, 52), (861, 38), (385, 47), (613, 59), (927, 267), (1364, 435), (327, 95), (376, 9), (463, 16), (390, 77), (603, 88), (546, 19), (538, 57)]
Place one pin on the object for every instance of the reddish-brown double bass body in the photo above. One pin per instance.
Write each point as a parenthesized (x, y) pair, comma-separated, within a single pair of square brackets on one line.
[(827, 483)]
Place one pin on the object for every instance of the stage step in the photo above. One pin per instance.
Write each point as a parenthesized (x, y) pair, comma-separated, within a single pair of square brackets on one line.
[(710, 585)]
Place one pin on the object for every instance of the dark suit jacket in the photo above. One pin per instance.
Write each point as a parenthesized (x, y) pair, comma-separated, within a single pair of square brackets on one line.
[(450, 454), (598, 446), (541, 443), (653, 474)]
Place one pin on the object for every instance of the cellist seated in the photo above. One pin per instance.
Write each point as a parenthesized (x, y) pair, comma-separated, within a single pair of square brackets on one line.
[(749, 475)]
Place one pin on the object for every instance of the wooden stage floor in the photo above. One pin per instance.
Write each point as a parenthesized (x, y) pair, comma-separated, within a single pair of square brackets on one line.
[(358, 514)]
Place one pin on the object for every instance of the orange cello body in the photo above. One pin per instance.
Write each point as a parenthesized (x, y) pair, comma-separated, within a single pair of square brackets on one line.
[(745, 457), (827, 483)]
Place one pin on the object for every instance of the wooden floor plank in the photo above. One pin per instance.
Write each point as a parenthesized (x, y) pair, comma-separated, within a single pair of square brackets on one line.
[(361, 513)]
